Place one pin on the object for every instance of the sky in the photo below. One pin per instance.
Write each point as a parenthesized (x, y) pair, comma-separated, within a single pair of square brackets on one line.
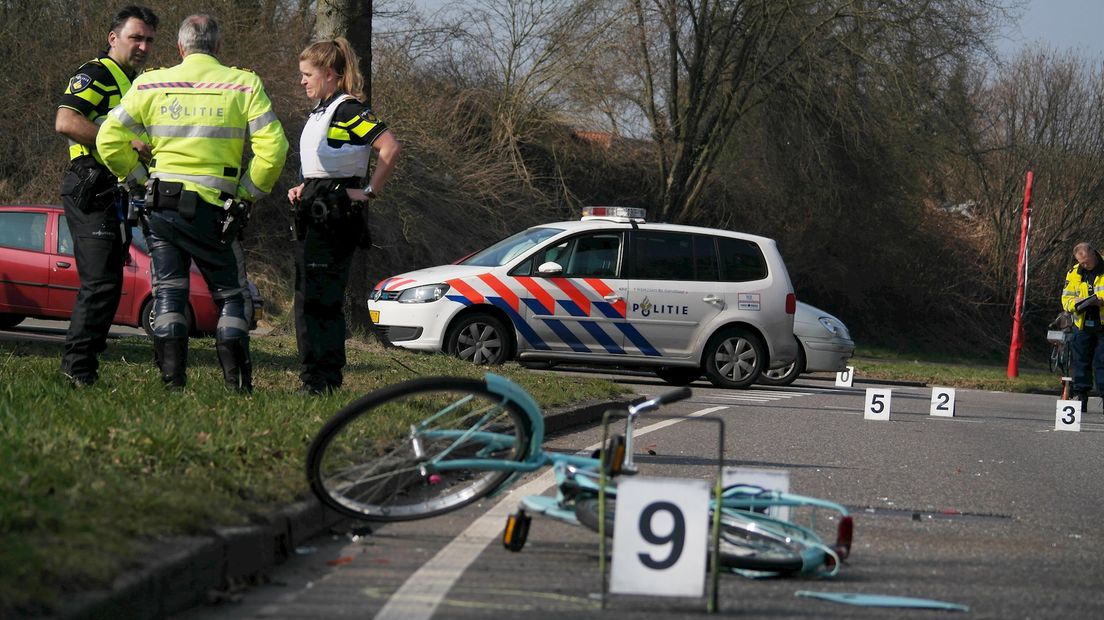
[(1061, 24)]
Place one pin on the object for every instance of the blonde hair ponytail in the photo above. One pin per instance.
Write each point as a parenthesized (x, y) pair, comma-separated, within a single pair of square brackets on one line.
[(337, 54)]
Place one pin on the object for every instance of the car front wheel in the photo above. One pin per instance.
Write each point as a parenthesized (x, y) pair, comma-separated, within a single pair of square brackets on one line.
[(787, 374), (734, 358), (480, 339)]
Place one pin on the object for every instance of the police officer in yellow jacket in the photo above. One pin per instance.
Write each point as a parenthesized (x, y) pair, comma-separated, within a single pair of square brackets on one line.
[(95, 220), (1083, 295), (198, 115)]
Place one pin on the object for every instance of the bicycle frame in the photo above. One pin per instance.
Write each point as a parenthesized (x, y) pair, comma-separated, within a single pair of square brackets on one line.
[(743, 503), (579, 474), (494, 426), (817, 556), (535, 456)]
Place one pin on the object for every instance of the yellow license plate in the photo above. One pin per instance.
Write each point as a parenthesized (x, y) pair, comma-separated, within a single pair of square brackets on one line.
[(374, 315)]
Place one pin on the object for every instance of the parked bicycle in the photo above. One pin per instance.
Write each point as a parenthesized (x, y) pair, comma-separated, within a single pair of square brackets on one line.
[(430, 446), (1059, 335)]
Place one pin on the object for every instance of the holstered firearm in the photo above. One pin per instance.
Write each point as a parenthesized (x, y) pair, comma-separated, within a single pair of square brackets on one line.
[(298, 221), (235, 216), (323, 205), (118, 193), (141, 200)]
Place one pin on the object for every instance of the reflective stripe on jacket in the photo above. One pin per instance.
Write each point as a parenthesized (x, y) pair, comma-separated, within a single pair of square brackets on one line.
[(87, 92), (1077, 288), (198, 115)]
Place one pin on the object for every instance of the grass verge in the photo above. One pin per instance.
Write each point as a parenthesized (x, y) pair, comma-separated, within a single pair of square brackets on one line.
[(959, 373), (90, 476)]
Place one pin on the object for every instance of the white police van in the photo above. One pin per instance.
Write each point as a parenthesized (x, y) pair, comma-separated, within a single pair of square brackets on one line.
[(607, 289)]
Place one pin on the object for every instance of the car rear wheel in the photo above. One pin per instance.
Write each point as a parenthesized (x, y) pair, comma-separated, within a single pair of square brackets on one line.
[(7, 321), (787, 374), (479, 338), (147, 315), (678, 375), (734, 358)]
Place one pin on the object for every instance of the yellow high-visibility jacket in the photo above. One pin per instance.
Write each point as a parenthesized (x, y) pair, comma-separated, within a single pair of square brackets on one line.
[(96, 88), (198, 115), (1079, 285)]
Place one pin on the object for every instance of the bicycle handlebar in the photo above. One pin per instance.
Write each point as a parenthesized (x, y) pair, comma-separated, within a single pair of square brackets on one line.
[(662, 399)]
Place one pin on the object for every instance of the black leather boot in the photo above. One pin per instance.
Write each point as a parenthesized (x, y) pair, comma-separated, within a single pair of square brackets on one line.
[(237, 367), (171, 355), (158, 351)]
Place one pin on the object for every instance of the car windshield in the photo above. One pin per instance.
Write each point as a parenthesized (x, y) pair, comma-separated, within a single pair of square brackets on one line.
[(510, 248)]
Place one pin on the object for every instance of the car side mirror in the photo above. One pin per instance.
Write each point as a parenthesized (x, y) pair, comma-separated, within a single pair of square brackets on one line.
[(549, 269)]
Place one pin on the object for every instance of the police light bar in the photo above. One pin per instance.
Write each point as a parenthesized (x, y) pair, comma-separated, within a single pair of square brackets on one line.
[(615, 213)]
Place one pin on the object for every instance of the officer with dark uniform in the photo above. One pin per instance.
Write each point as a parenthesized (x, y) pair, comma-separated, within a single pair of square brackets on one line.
[(335, 147), (198, 115), (96, 219)]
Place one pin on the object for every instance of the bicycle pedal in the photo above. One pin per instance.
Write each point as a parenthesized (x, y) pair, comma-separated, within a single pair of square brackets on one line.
[(615, 455), (517, 531)]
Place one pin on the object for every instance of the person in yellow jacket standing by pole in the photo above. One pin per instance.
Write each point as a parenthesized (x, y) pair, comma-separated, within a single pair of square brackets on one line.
[(198, 195), (99, 230), (1083, 295)]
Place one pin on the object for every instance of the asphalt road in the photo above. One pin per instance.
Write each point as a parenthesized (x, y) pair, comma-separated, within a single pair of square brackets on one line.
[(991, 509), (38, 330)]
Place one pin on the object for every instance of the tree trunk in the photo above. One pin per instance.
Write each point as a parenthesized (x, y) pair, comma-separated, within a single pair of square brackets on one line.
[(351, 19)]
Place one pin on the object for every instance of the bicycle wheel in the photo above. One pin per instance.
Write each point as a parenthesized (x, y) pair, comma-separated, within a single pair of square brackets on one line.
[(749, 544), (746, 543), (586, 511), (416, 449)]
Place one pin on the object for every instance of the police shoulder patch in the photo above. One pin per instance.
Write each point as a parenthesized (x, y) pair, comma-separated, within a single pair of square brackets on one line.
[(79, 82), (369, 117)]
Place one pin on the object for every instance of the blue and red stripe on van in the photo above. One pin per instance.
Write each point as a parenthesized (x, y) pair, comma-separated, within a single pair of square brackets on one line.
[(543, 306)]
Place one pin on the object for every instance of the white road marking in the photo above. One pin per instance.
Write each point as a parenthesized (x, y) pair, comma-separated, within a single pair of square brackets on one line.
[(779, 393), (422, 592), (755, 396)]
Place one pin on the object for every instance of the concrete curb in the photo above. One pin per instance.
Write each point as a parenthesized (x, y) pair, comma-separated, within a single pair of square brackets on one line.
[(184, 572)]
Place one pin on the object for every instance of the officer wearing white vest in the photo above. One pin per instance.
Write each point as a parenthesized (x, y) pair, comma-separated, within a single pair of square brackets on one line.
[(335, 148)]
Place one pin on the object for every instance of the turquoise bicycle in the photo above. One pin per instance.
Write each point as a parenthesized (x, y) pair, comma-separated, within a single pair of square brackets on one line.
[(433, 445)]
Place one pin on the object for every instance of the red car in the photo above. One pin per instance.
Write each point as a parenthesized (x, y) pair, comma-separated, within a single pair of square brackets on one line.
[(38, 276)]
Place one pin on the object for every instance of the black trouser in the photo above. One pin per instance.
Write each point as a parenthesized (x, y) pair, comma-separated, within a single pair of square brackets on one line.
[(99, 247), (1087, 361), (329, 230), (174, 242)]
